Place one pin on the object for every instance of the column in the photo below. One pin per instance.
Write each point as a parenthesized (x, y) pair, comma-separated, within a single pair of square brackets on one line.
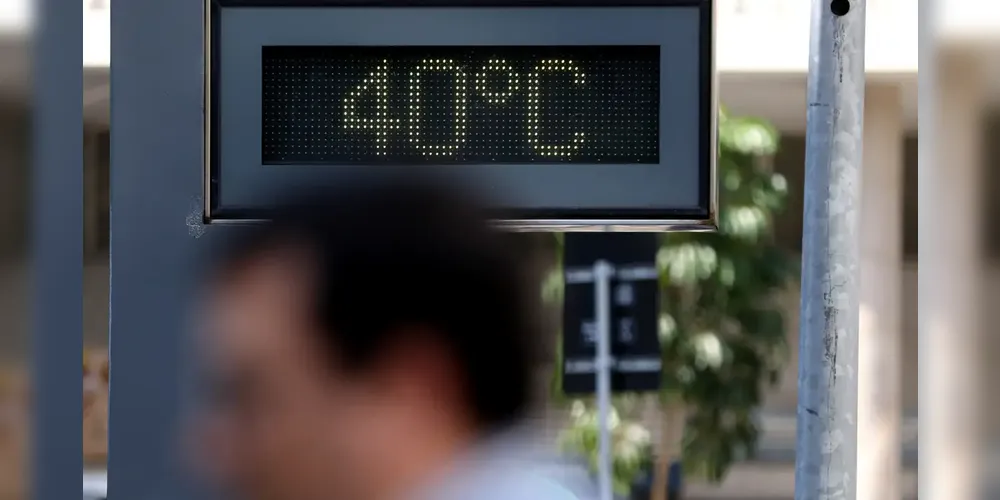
[(91, 194), (879, 332), (949, 333)]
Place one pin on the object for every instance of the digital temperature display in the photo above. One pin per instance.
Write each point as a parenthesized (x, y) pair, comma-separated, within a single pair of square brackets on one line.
[(337, 105)]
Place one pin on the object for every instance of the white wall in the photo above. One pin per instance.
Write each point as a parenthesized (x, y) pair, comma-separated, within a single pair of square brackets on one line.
[(752, 35)]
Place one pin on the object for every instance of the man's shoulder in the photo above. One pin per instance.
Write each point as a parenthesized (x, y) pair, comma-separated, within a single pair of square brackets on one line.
[(536, 481), (516, 467), (543, 487)]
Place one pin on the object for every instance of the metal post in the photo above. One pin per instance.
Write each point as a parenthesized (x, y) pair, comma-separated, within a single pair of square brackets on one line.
[(826, 440), (602, 308), (57, 208)]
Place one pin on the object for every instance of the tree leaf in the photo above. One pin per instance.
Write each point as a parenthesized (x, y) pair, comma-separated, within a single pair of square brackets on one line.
[(749, 136)]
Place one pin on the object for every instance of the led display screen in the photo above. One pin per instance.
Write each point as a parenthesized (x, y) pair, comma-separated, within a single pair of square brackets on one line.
[(337, 105)]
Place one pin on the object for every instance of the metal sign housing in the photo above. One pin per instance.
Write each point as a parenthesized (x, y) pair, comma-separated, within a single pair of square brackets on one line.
[(578, 114)]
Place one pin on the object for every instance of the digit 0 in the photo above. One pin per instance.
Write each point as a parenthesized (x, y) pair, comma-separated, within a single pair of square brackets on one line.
[(438, 65), (534, 111)]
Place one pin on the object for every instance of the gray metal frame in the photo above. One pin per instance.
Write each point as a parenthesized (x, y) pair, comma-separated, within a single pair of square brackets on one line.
[(57, 235), (156, 186)]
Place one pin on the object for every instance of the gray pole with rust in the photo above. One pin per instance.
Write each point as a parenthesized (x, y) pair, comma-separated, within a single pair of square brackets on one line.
[(826, 438)]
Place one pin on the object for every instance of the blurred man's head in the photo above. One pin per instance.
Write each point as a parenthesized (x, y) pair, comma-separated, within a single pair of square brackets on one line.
[(359, 341)]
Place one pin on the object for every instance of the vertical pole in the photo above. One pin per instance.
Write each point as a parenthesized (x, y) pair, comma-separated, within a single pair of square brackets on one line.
[(880, 346), (157, 172), (826, 438), (57, 208), (602, 308), (949, 318)]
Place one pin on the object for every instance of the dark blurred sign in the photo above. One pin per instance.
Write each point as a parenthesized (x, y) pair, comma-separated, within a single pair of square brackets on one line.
[(634, 294)]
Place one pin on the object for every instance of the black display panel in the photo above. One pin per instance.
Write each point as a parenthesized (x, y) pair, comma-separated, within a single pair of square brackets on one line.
[(342, 105)]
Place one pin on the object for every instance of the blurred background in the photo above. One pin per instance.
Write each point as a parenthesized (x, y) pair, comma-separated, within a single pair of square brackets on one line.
[(762, 59)]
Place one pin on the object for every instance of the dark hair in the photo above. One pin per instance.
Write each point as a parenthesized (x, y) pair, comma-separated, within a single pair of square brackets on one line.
[(392, 255)]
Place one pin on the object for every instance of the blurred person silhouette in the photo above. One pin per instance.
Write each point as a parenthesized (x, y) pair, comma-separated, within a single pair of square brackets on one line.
[(373, 342)]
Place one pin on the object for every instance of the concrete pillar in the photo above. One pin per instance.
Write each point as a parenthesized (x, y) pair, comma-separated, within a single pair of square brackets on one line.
[(91, 195), (879, 333), (950, 266)]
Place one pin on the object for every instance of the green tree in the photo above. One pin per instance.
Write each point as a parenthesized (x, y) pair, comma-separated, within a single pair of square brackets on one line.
[(630, 443), (721, 331)]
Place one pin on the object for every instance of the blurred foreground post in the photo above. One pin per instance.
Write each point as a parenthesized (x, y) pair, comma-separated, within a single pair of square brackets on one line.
[(826, 440), (880, 404), (57, 236), (949, 330)]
